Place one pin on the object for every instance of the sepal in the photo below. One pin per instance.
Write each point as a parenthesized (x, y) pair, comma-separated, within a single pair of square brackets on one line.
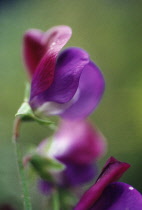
[(46, 167)]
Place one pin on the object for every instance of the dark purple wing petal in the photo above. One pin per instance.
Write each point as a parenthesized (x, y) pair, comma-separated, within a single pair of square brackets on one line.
[(44, 187), (119, 196), (66, 78), (112, 171), (91, 89), (38, 44), (78, 174)]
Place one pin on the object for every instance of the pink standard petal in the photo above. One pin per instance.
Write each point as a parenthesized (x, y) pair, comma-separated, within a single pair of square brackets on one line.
[(78, 142), (54, 40), (33, 49), (91, 88), (38, 43), (68, 70), (112, 171)]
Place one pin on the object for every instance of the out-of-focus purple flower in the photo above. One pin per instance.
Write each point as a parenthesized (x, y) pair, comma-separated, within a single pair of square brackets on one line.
[(68, 84), (77, 142), (77, 145), (106, 194), (6, 207)]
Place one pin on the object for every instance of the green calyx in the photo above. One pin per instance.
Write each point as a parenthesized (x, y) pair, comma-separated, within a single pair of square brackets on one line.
[(26, 113), (46, 167)]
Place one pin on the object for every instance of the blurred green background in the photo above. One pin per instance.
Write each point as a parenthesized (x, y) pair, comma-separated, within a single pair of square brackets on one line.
[(111, 31)]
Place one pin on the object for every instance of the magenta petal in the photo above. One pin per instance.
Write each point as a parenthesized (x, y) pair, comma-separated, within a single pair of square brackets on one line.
[(69, 67), (33, 49), (91, 88), (38, 44), (78, 142), (54, 40), (119, 196), (112, 171)]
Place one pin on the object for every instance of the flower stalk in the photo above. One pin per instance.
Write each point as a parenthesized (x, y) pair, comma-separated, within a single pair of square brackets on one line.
[(24, 186), (55, 200)]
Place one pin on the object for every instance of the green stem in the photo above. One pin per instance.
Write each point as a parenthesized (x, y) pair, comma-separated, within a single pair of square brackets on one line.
[(25, 191), (55, 200)]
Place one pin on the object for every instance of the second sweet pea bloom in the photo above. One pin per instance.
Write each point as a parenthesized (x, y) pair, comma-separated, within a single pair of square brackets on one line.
[(77, 145), (68, 84)]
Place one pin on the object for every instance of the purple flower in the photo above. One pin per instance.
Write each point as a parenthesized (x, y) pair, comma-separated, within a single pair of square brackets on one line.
[(106, 194), (77, 145), (6, 207), (68, 84)]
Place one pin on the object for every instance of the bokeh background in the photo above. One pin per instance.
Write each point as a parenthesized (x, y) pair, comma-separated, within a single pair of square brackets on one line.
[(111, 31)]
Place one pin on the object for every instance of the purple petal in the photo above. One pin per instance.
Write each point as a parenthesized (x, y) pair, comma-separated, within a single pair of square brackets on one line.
[(91, 89), (38, 43), (77, 142), (45, 187), (78, 174), (112, 171), (119, 196), (66, 78)]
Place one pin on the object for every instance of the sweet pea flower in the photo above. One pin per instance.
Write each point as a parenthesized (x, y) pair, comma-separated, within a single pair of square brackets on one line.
[(77, 145), (67, 84), (6, 207), (106, 194)]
